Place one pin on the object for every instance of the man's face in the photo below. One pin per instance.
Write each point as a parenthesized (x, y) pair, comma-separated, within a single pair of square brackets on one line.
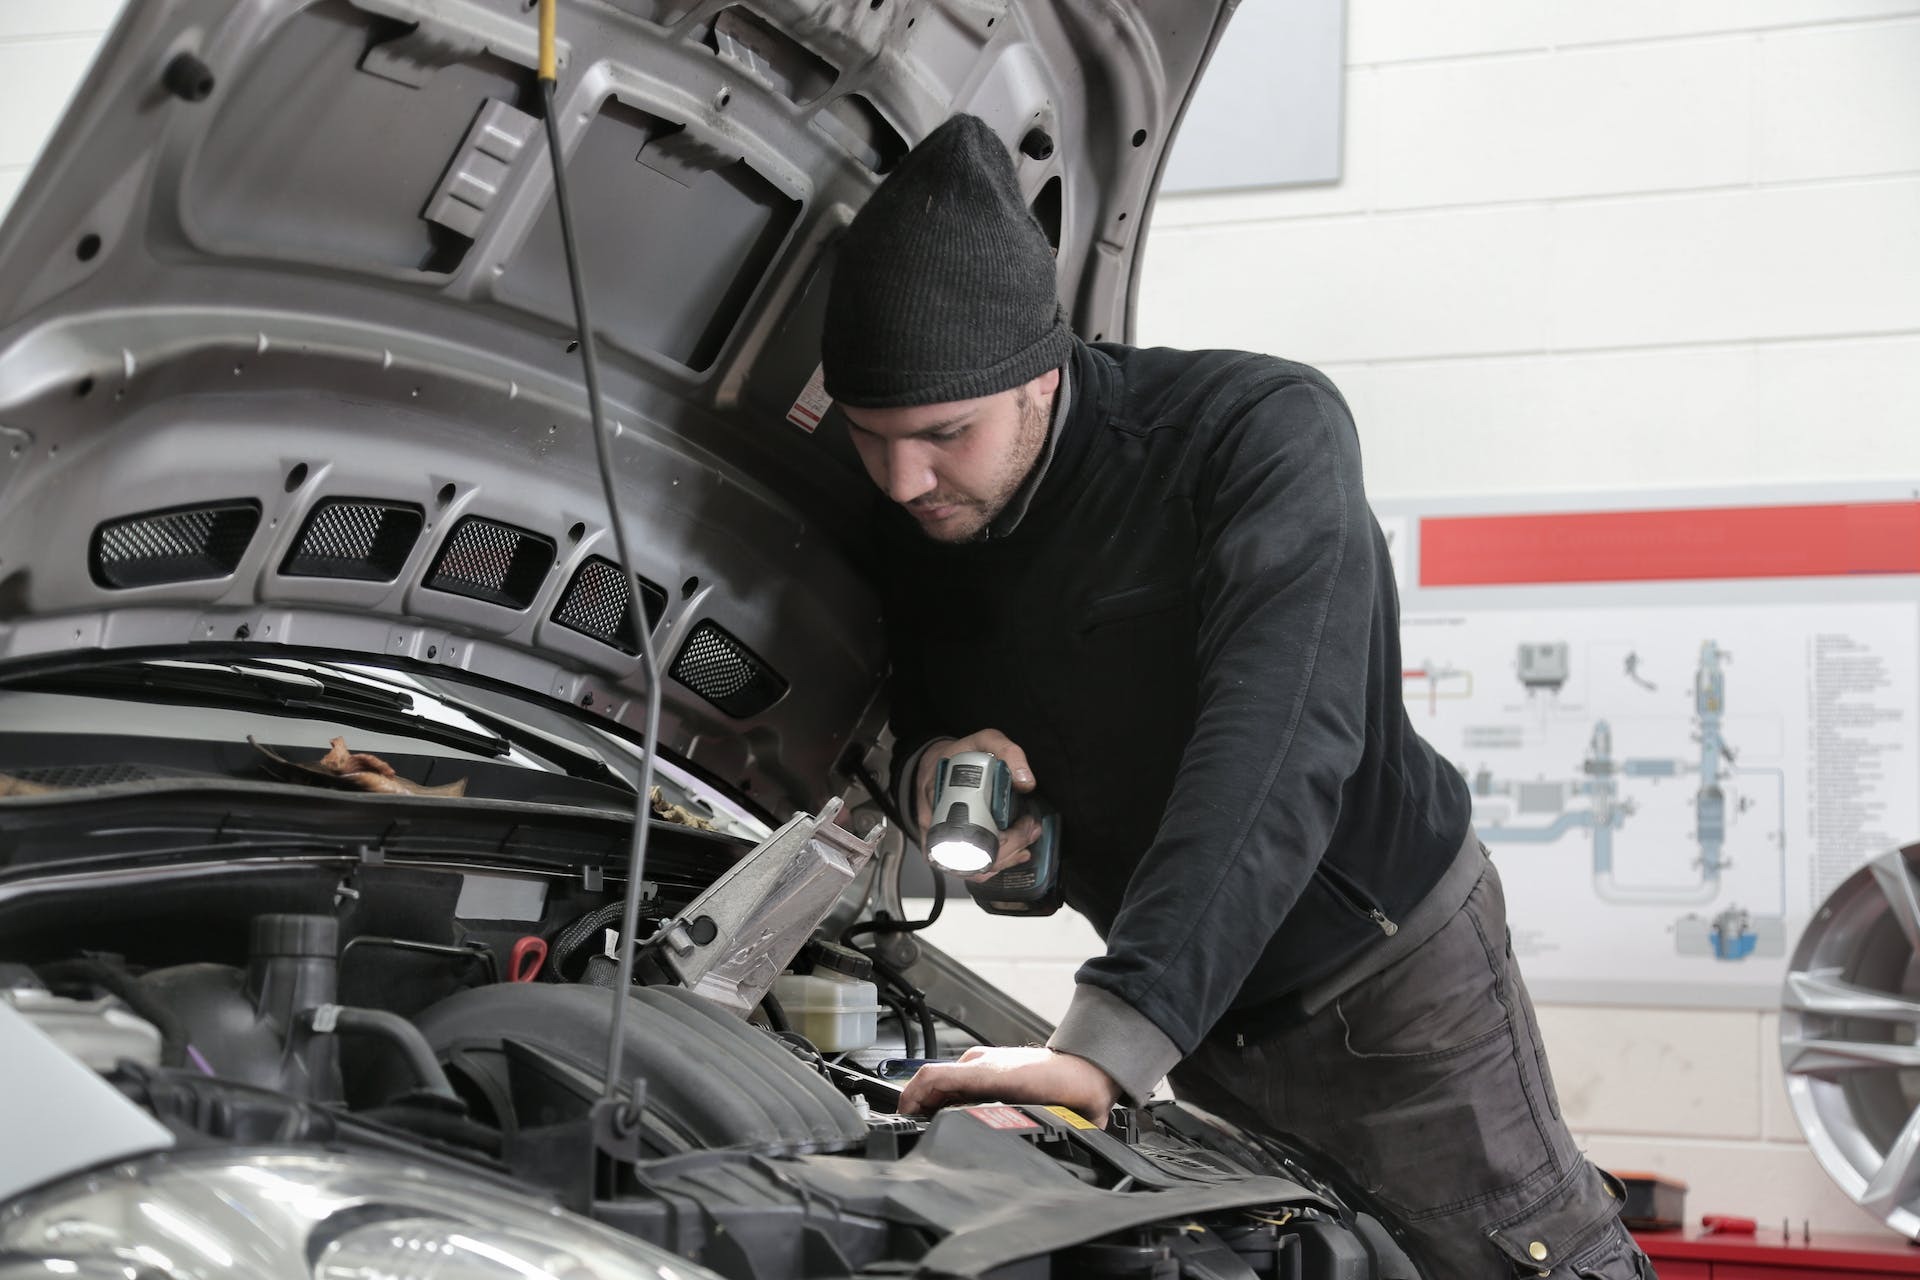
[(955, 466)]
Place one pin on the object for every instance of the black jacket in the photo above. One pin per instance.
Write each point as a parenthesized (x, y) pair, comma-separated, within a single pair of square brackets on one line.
[(1194, 634)]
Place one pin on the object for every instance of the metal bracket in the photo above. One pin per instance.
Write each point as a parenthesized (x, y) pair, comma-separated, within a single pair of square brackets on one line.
[(616, 1124), (733, 940)]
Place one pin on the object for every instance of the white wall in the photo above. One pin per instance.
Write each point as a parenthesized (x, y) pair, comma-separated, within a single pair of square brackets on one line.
[(44, 50), (1588, 245), (1581, 244)]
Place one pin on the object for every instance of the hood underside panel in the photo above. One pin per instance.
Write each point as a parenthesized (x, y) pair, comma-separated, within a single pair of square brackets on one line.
[(287, 353)]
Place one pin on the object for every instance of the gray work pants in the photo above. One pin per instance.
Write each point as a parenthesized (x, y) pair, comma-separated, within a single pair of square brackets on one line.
[(1428, 1086)]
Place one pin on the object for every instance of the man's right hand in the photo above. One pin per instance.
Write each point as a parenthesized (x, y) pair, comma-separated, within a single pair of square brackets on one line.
[(1015, 839)]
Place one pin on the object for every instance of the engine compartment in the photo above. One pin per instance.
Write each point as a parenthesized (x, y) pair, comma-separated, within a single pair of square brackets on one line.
[(366, 1002)]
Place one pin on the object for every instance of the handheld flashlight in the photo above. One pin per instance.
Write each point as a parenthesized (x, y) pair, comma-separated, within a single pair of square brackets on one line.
[(973, 802)]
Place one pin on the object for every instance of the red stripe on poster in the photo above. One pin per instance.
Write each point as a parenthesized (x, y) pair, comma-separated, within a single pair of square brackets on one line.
[(1836, 540)]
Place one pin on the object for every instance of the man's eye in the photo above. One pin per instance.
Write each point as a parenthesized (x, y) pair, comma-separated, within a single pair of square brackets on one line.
[(942, 437)]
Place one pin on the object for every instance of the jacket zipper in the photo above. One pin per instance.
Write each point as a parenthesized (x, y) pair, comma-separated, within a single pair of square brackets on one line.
[(1344, 890)]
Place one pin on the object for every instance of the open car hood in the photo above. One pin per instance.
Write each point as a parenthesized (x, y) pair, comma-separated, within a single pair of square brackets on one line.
[(286, 348)]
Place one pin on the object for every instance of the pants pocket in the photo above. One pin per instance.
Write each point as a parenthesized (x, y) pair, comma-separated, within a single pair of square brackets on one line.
[(1615, 1257), (1438, 1133), (1444, 998), (1572, 1230), (1437, 1103)]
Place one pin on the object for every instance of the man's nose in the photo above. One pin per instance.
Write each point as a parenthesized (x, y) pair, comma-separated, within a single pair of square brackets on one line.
[(908, 475)]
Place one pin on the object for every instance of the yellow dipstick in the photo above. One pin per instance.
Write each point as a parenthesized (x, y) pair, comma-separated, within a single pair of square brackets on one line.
[(549, 60)]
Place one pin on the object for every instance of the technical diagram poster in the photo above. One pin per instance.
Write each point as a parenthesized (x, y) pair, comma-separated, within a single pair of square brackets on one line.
[(1681, 727)]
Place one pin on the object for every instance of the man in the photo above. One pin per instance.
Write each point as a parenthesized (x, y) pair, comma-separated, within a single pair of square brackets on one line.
[(1150, 582)]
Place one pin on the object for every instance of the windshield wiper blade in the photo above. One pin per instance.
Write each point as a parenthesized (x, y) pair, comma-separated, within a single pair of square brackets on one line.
[(365, 706), (355, 692), (576, 762)]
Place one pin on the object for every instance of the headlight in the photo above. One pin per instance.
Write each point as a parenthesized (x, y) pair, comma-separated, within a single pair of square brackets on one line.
[(299, 1216)]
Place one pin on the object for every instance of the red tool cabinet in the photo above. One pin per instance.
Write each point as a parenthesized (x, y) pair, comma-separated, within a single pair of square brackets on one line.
[(1694, 1255)]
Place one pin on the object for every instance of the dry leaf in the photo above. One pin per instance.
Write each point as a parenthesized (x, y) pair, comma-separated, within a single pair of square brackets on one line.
[(342, 761), (664, 808), (355, 769)]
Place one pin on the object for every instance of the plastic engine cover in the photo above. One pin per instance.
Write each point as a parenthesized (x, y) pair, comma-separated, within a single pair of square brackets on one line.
[(712, 1080)]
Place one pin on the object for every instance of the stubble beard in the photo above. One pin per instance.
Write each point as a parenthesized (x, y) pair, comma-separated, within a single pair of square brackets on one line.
[(975, 515)]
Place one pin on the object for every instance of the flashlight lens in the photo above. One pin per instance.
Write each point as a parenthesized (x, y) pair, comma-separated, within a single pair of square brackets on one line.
[(960, 857)]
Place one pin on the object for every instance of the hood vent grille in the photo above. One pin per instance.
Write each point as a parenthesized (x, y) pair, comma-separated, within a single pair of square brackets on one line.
[(180, 544), (355, 538), (597, 603), (498, 563), (61, 776), (726, 673)]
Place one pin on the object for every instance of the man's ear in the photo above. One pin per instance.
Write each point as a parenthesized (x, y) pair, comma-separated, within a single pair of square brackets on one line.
[(1046, 384)]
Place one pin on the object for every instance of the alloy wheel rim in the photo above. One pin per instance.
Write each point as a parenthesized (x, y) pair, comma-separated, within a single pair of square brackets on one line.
[(1850, 1037)]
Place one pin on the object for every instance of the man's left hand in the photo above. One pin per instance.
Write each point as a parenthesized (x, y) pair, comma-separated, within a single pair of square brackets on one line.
[(1013, 1075)]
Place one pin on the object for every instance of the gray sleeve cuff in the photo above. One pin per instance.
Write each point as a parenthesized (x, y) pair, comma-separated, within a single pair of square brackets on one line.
[(1114, 1036)]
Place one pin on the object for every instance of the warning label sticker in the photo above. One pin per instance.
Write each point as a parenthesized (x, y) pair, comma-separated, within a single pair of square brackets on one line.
[(1007, 1118), (1073, 1117), (812, 404)]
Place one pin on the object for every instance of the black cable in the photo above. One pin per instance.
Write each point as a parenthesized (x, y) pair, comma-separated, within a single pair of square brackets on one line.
[(881, 923), (957, 1025), (899, 1013), (881, 796), (912, 999), (928, 1032), (915, 999), (776, 1015), (643, 643)]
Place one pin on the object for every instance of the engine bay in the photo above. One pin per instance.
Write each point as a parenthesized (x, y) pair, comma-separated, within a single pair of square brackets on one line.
[(459, 1014)]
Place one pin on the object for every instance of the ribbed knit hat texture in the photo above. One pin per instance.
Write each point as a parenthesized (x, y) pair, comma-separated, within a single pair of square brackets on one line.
[(944, 287)]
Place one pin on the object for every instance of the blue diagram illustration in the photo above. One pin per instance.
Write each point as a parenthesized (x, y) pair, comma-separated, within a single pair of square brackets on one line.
[(1599, 800)]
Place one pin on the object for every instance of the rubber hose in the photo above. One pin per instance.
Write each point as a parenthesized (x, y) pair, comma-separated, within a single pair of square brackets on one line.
[(577, 935), (396, 1031)]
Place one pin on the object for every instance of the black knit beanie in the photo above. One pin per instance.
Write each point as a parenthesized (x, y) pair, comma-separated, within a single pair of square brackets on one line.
[(944, 287)]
